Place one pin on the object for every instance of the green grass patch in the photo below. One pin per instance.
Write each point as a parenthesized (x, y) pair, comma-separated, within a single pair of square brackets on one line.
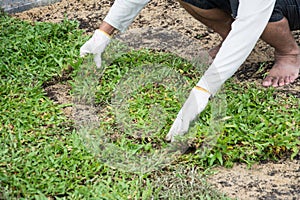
[(261, 124), (41, 155)]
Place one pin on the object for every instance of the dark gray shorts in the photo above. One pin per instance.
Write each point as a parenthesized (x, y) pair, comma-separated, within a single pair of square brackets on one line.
[(289, 9)]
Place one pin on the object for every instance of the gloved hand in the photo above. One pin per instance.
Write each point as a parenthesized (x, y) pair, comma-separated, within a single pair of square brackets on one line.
[(194, 105), (96, 45)]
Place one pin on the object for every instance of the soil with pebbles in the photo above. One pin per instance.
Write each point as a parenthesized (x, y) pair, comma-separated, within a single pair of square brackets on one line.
[(270, 180)]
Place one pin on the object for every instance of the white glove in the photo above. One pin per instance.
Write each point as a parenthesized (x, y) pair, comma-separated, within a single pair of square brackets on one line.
[(96, 45), (194, 105)]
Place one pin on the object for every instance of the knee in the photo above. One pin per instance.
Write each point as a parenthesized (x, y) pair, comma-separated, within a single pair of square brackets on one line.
[(194, 10), (189, 6), (214, 14)]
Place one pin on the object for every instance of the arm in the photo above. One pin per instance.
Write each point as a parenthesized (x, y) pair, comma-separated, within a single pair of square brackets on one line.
[(250, 23), (120, 16), (107, 28), (123, 12), (252, 18)]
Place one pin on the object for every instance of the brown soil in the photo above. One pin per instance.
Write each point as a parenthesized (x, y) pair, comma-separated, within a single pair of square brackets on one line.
[(166, 14), (278, 180)]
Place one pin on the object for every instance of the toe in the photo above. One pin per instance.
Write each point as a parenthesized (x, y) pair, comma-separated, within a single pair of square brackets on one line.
[(287, 80), (281, 82), (275, 82), (267, 81), (293, 78)]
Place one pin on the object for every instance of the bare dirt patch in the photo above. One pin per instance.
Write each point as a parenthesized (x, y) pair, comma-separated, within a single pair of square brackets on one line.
[(270, 180), (279, 180)]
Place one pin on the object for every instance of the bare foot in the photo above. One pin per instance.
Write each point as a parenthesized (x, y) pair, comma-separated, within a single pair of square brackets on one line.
[(284, 71)]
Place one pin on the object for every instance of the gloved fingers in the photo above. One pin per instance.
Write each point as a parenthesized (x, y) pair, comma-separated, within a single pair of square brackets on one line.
[(194, 105), (174, 128), (171, 135), (83, 53), (84, 50), (179, 127), (98, 60), (172, 132)]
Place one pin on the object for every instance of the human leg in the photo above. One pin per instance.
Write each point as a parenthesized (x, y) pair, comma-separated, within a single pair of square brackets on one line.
[(285, 17), (214, 18)]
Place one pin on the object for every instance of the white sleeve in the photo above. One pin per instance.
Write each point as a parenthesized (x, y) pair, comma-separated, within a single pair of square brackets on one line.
[(251, 20), (123, 12)]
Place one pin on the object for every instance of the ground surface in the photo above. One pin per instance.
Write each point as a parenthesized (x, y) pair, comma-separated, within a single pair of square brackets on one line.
[(280, 180)]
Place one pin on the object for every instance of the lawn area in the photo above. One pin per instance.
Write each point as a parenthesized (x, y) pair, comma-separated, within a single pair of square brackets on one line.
[(44, 156)]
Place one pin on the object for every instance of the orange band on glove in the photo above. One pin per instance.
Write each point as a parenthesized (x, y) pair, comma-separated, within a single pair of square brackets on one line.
[(105, 33), (202, 89)]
